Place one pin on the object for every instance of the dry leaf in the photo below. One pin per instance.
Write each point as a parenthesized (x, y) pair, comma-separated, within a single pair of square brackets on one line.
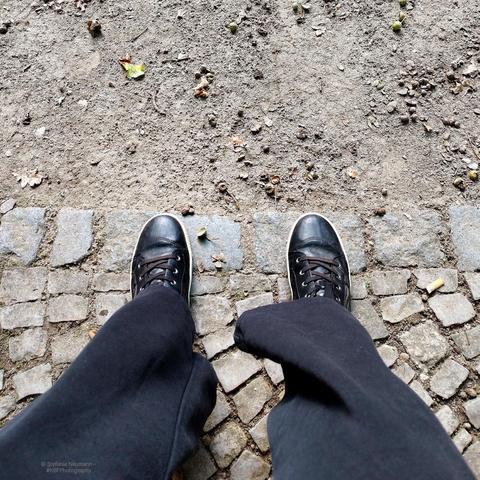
[(133, 71), (33, 179)]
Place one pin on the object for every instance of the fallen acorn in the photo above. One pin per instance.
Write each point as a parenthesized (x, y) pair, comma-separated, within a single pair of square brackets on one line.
[(473, 175), (222, 187), (187, 210), (459, 183), (94, 27), (275, 179), (396, 26), (270, 189), (380, 212)]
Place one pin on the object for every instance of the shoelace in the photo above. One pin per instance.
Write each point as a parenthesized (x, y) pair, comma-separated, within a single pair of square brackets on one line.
[(319, 279), (147, 275)]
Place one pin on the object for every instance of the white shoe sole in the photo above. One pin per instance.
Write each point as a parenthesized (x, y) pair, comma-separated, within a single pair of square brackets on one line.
[(336, 233), (186, 239)]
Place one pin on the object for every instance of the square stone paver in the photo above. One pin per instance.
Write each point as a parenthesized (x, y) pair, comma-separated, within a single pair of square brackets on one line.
[(274, 371), (473, 281), (388, 354), (74, 236), (235, 368), (417, 387), (227, 444), (448, 419), (7, 405), (358, 288), (111, 282), (425, 343), (472, 457), (66, 347), (22, 315), (67, 281), (425, 276), (399, 307), (389, 283), (451, 309), (211, 313), (220, 412), (468, 341), (67, 308), (31, 343), (218, 341), (251, 399), (366, 314), (462, 439), (23, 284), (472, 409), (249, 467), (106, 304), (199, 466), (241, 283), (122, 228), (34, 381), (207, 284), (21, 232), (259, 434), (223, 238), (253, 302), (413, 240), (448, 378), (465, 225)]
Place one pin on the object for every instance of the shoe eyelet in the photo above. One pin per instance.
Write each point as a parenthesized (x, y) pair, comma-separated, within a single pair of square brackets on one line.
[(175, 271), (173, 282), (301, 273), (297, 260), (337, 299), (179, 258), (338, 288), (304, 284)]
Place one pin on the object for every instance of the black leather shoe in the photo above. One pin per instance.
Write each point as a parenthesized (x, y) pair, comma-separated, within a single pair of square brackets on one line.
[(162, 257), (317, 263)]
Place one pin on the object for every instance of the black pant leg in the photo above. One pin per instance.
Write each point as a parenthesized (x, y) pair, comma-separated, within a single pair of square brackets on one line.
[(344, 416), (131, 406)]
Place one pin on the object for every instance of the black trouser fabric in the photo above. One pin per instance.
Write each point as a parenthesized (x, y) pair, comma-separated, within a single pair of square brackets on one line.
[(131, 406), (345, 415), (133, 403)]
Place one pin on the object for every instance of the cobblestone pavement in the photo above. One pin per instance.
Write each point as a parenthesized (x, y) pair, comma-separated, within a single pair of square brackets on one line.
[(64, 273)]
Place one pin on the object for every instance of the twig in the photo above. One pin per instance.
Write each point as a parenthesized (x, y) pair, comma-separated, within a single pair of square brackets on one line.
[(154, 101), (473, 148), (232, 196), (134, 39)]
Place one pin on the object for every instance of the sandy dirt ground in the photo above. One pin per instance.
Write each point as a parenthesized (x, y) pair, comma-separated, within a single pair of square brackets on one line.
[(325, 107)]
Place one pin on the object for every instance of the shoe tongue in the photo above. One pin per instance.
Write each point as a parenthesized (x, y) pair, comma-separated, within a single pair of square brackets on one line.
[(327, 291), (313, 249)]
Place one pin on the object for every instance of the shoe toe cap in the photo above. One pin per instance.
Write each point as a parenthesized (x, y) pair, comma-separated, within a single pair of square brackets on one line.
[(316, 229)]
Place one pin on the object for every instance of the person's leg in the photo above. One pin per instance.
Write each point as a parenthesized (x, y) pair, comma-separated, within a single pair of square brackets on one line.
[(344, 416), (133, 404)]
